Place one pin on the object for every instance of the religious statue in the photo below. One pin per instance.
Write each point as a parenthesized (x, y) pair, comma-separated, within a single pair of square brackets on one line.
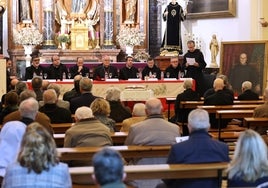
[(173, 15), (25, 10), (214, 49), (130, 11)]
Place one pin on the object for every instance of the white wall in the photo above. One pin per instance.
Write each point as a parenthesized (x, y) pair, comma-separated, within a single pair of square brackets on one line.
[(236, 28)]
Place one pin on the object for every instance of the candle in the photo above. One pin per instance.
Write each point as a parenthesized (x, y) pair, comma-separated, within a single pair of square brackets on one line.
[(97, 35)]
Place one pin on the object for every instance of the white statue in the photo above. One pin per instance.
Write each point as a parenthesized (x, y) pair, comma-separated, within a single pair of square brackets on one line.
[(214, 49)]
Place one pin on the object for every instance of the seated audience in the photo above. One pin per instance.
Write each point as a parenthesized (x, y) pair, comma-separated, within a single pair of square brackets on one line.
[(35, 69), (154, 130), (79, 68), (60, 103), (220, 97), (247, 93), (188, 94), (173, 70), (138, 115), (249, 166), (105, 70), (12, 132), (101, 110), (151, 70), (199, 148), (118, 111), (108, 169), (227, 87), (55, 113), (41, 118), (262, 111), (20, 87), (75, 92), (37, 87), (129, 71), (87, 131), (86, 97), (10, 104), (38, 163)]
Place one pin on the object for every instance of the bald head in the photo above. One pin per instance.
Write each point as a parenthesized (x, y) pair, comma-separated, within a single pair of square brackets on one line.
[(50, 96), (153, 106), (218, 84)]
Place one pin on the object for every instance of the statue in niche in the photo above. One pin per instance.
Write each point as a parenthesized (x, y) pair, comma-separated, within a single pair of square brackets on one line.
[(25, 10), (130, 11)]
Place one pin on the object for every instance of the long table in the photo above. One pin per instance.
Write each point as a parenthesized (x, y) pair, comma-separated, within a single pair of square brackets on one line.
[(160, 88)]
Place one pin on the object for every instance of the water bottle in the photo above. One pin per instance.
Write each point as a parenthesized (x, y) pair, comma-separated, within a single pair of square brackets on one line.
[(63, 75), (106, 76), (162, 75)]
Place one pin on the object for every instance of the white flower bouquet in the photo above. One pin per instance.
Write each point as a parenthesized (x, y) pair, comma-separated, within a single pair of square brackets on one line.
[(130, 37), (27, 36)]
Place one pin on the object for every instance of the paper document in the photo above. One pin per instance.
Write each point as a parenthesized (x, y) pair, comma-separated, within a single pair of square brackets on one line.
[(191, 61)]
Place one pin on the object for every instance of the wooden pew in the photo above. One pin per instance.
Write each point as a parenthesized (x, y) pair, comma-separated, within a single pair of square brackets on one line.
[(86, 153), (214, 108), (117, 137), (162, 171), (229, 114), (59, 128), (255, 121)]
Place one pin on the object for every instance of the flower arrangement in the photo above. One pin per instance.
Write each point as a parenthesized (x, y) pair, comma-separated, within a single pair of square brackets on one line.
[(63, 38), (141, 56), (27, 36), (130, 37)]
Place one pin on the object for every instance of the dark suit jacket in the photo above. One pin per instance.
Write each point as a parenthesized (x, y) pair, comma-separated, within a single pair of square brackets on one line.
[(126, 73), (31, 70), (56, 73), (84, 99), (187, 95), (74, 71), (220, 97), (248, 95), (200, 148), (99, 72)]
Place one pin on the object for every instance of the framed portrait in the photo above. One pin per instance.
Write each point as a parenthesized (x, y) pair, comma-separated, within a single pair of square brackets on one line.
[(211, 9), (245, 61)]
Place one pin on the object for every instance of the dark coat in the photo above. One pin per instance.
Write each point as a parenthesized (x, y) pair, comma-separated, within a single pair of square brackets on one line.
[(74, 71), (248, 95), (84, 99), (200, 148)]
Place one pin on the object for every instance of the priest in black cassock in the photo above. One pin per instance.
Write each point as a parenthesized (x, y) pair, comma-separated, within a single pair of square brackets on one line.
[(173, 15)]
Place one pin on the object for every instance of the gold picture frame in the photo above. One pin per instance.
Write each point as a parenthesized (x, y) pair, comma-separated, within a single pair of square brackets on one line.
[(256, 58), (197, 9)]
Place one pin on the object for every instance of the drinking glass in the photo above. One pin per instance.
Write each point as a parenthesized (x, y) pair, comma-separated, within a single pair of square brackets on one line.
[(167, 74), (154, 74), (138, 75), (45, 75), (87, 75), (110, 75)]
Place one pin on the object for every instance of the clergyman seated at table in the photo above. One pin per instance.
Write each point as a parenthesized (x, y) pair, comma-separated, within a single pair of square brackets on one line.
[(173, 70), (119, 112), (247, 93), (35, 69), (129, 71), (56, 70), (55, 113), (105, 70), (108, 169), (154, 130), (87, 131), (79, 68), (151, 70), (138, 115), (199, 148)]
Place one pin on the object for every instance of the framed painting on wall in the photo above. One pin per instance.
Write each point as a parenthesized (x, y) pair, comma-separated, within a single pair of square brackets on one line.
[(211, 9), (245, 61)]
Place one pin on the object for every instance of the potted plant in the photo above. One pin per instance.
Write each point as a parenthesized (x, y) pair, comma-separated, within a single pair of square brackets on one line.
[(63, 39)]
